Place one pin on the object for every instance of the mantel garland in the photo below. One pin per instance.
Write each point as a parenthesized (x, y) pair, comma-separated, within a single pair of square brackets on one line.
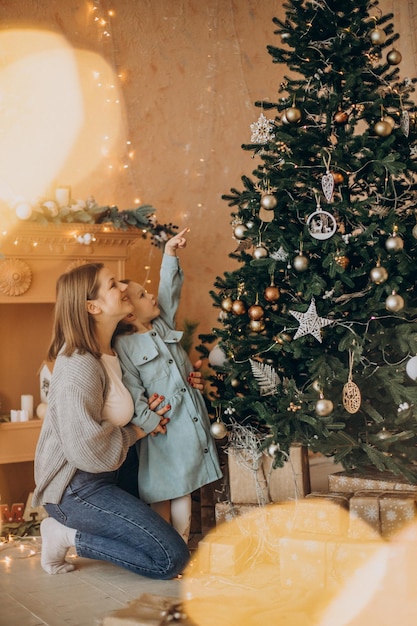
[(89, 212)]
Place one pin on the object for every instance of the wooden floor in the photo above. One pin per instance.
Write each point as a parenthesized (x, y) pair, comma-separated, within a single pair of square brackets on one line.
[(30, 597)]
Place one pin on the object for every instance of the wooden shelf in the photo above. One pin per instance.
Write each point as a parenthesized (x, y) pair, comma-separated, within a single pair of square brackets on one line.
[(18, 441)]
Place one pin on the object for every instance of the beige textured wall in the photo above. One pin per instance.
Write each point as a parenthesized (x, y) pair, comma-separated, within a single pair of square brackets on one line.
[(190, 73)]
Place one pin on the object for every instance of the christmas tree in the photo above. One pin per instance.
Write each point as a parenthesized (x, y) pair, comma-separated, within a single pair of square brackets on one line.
[(317, 332)]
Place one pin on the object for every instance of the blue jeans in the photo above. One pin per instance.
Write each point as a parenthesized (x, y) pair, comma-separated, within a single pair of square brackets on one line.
[(112, 525)]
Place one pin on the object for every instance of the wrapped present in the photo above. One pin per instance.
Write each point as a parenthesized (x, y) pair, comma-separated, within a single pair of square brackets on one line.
[(386, 512), (228, 511), (224, 555), (291, 481), (373, 480), (302, 561), (149, 610), (322, 513), (247, 480)]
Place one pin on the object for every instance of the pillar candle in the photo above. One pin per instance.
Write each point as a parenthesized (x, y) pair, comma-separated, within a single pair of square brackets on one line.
[(26, 404), (62, 196)]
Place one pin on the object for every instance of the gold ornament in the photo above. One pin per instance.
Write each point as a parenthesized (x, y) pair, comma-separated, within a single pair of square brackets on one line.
[(239, 231), (324, 407), (341, 117), (272, 293), (227, 304), (218, 429), (377, 36), (257, 326), (293, 115), (15, 277), (269, 201), (414, 231), (260, 252), (378, 275), (256, 312), (394, 302), (239, 307), (338, 178), (394, 243), (390, 120), (300, 263), (382, 128), (394, 57)]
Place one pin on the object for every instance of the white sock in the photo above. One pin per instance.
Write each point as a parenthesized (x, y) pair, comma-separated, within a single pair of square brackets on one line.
[(181, 515), (56, 540)]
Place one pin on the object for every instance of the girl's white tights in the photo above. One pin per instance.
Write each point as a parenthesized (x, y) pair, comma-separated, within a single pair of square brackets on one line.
[(56, 539), (177, 512)]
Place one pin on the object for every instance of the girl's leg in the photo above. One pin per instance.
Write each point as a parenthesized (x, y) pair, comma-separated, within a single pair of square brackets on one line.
[(56, 539), (114, 526), (181, 515)]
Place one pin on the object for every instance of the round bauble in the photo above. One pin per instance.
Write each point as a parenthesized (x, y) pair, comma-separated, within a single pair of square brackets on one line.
[(394, 243), (378, 275), (255, 312), (293, 115), (235, 383), (317, 386), (257, 326), (377, 36), (411, 368), (414, 231), (41, 410), (284, 118), (394, 302), (239, 231), (324, 407), (300, 263), (268, 201), (341, 117), (23, 211), (394, 57), (227, 304), (338, 178), (217, 357), (260, 252), (239, 307), (218, 429), (382, 128), (250, 224), (272, 293)]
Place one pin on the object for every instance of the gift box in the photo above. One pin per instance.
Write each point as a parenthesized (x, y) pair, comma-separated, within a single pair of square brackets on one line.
[(322, 513), (149, 610), (385, 512), (302, 562), (373, 480), (247, 480), (228, 511), (224, 555), (292, 481)]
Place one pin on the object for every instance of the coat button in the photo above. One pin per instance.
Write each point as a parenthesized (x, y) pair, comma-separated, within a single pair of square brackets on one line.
[(170, 361), (183, 390), (205, 450), (145, 358), (195, 419), (153, 334)]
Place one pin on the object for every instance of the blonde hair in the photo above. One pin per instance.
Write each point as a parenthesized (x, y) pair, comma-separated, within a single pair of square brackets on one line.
[(73, 326)]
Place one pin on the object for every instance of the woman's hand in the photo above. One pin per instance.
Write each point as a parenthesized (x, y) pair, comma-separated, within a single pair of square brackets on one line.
[(196, 378), (153, 402)]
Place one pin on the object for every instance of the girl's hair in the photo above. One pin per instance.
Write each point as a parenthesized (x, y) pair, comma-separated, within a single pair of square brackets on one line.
[(123, 327), (73, 326)]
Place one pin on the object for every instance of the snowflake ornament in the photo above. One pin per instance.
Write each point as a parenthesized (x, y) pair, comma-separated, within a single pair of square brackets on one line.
[(279, 255), (261, 130), (310, 322)]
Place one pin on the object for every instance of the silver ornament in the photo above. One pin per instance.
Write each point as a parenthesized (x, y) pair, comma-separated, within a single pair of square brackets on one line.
[(260, 252), (269, 201), (239, 231), (324, 407), (300, 263), (378, 274), (273, 449), (394, 302)]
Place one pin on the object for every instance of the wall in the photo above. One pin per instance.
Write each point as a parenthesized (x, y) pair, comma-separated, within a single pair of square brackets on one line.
[(189, 74)]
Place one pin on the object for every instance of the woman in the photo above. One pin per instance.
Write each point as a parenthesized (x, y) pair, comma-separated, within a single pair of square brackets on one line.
[(86, 436)]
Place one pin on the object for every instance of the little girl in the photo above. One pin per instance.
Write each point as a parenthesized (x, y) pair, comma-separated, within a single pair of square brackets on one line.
[(173, 466)]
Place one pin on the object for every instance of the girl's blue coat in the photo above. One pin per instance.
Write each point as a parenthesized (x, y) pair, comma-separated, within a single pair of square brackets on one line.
[(184, 459)]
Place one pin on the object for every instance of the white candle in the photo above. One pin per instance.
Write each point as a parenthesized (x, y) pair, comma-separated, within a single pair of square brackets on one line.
[(62, 196), (26, 404)]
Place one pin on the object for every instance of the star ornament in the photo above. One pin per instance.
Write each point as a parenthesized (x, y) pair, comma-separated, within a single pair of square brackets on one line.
[(310, 322)]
